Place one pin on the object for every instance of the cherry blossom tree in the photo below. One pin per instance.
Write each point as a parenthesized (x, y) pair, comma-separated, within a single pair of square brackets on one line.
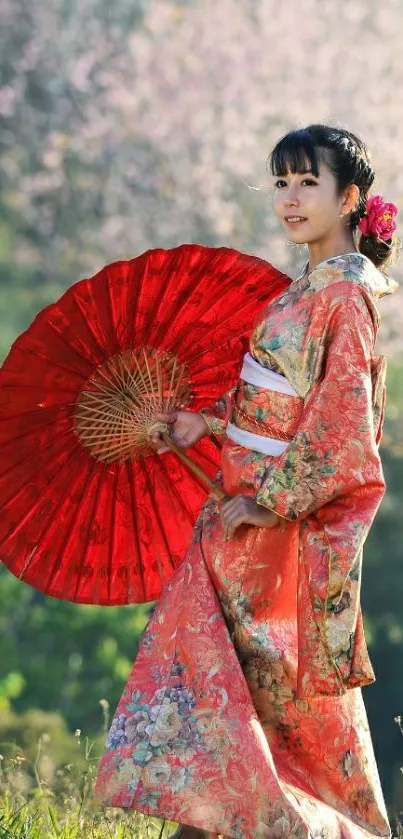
[(131, 125)]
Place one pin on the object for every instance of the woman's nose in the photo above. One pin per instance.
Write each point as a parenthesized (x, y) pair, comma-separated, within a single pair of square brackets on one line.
[(290, 198)]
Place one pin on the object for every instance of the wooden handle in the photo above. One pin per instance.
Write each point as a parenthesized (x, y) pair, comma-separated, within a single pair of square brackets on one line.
[(218, 491)]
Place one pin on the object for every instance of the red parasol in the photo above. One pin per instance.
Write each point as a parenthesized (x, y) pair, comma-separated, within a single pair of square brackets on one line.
[(98, 517)]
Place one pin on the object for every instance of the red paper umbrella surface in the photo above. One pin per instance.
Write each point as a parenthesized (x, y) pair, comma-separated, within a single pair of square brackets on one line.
[(85, 517)]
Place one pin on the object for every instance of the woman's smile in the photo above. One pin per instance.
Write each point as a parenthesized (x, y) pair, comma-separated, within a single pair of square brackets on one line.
[(295, 220)]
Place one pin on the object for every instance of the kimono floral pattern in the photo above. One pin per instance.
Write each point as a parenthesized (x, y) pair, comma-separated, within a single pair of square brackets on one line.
[(243, 712)]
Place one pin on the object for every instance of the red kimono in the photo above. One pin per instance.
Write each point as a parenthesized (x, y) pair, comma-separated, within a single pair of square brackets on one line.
[(243, 712)]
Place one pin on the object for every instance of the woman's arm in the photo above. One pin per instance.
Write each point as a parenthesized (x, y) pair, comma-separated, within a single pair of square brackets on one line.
[(335, 450), (330, 479)]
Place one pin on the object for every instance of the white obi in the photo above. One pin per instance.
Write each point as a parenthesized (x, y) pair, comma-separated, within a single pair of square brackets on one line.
[(254, 374)]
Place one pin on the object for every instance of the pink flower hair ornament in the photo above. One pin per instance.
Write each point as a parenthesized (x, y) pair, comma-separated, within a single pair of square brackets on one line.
[(379, 220)]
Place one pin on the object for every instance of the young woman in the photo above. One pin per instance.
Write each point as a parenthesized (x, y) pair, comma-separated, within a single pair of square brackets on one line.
[(243, 714)]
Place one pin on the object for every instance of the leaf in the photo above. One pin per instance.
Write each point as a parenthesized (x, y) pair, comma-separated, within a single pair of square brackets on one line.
[(53, 819)]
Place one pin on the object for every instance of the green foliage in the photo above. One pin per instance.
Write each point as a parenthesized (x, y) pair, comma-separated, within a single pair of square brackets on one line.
[(392, 440), (42, 796), (61, 656)]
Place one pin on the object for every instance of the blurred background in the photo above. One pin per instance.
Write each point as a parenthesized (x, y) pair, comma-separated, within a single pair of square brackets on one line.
[(134, 124)]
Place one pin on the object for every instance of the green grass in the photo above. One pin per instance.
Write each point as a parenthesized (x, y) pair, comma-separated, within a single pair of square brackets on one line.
[(39, 801), (42, 800)]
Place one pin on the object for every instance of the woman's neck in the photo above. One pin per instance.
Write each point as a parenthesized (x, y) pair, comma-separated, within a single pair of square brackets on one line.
[(322, 251)]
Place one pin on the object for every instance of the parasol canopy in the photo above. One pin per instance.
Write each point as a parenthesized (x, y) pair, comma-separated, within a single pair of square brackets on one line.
[(89, 512)]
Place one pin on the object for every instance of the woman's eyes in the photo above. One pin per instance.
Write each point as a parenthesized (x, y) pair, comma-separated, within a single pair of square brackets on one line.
[(306, 181)]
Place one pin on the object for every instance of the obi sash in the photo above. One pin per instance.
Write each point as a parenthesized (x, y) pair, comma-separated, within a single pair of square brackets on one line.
[(255, 374)]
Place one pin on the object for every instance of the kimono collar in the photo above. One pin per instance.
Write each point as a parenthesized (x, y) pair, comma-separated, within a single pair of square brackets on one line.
[(354, 266)]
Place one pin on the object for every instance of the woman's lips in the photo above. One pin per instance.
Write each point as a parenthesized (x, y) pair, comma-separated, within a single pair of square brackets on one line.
[(295, 223)]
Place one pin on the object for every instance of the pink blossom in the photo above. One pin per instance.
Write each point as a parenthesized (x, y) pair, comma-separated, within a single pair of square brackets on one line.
[(379, 220)]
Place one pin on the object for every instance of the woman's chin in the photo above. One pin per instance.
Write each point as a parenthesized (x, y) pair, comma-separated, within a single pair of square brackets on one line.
[(299, 236), (296, 239)]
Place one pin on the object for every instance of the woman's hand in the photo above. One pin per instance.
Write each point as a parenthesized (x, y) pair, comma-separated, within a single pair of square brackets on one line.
[(242, 509), (187, 428)]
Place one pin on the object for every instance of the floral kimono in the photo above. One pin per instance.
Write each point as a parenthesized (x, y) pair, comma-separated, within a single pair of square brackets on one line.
[(243, 713)]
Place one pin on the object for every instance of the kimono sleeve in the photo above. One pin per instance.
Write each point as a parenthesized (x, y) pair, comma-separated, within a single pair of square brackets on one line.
[(330, 479), (218, 416), (335, 450)]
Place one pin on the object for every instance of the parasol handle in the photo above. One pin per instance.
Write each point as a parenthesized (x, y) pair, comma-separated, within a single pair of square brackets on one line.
[(218, 491)]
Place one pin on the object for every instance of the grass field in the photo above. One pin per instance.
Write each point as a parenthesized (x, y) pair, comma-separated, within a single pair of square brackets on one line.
[(40, 800), (36, 803)]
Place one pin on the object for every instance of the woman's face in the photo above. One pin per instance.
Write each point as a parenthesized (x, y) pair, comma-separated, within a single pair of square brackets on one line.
[(313, 198)]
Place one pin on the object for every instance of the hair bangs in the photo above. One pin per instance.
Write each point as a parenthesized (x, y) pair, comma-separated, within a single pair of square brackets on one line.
[(295, 152)]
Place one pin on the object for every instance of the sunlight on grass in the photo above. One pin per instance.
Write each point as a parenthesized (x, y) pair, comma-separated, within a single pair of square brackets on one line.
[(39, 800)]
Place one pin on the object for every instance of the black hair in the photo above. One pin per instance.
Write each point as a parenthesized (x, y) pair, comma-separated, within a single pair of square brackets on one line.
[(349, 161)]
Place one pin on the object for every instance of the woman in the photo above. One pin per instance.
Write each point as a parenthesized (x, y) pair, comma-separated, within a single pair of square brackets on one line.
[(243, 714)]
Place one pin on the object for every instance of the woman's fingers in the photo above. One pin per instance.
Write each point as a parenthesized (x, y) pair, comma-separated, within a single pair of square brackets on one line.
[(228, 533), (232, 515), (168, 418), (156, 435), (158, 443)]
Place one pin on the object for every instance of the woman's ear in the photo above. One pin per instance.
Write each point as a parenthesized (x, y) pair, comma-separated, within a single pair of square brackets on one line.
[(350, 199)]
